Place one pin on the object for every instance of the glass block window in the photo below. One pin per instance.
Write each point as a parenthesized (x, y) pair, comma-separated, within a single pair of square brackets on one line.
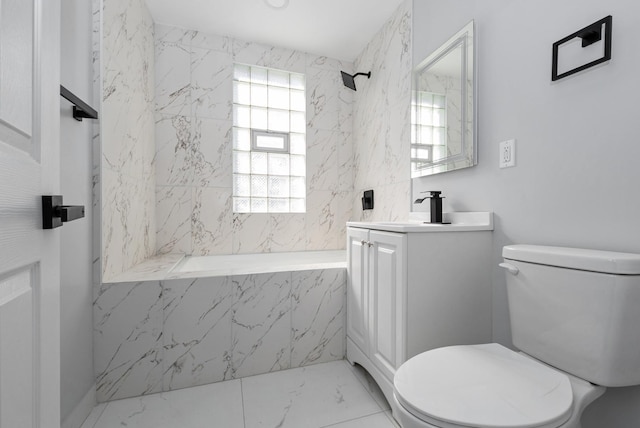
[(269, 140), (429, 135)]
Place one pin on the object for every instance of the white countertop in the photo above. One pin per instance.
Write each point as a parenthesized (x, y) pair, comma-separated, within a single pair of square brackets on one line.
[(458, 222)]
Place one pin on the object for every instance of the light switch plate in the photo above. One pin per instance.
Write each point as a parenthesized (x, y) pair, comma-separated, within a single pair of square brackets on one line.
[(507, 154)]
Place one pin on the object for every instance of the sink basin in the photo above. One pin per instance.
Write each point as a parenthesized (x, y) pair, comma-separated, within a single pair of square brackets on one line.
[(459, 221)]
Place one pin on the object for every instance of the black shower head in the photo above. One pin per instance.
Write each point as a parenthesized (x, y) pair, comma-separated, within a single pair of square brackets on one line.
[(350, 81)]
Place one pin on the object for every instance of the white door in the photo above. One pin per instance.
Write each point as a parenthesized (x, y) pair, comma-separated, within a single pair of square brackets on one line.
[(387, 285), (357, 273), (29, 255)]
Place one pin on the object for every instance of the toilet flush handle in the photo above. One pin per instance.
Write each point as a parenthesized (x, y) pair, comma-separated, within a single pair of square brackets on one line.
[(511, 268)]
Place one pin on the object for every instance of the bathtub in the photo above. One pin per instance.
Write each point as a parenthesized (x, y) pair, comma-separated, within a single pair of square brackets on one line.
[(173, 321)]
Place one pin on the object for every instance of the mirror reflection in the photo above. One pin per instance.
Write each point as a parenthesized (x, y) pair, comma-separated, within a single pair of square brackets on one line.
[(443, 108)]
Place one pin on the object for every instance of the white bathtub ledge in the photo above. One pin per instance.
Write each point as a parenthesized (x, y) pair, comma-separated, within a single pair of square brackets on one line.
[(153, 269), (178, 266)]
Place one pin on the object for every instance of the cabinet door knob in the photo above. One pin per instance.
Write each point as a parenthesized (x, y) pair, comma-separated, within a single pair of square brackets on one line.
[(370, 244), (363, 242)]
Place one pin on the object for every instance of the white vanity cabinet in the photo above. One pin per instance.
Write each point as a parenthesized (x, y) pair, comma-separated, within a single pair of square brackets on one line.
[(376, 296), (408, 292)]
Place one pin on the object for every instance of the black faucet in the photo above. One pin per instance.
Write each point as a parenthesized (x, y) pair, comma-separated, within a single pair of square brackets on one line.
[(436, 205)]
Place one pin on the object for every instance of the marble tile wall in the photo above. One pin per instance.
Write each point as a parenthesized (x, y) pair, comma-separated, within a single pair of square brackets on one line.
[(193, 160), (157, 336), (381, 121), (127, 135), (165, 177)]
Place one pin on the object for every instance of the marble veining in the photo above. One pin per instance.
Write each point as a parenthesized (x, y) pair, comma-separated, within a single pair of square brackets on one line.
[(209, 219), (251, 233), (186, 408), (128, 339), (211, 93), (322, 226), (318, 396), (173, 150), (322, 98), (261, 324), (173, 212), (194, 141), (333, 394), (173, 77), (197, 322), (381, 121), (167, 132), (210, 153), (322, 160), (269, 56), (288, 232), (160, 335), (318, 314), (124, 62), (155, 268)]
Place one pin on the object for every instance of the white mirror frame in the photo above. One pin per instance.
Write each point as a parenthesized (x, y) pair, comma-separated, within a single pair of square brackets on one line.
[(465, 38)]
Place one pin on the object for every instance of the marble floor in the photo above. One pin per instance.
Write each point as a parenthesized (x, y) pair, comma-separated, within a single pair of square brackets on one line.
[(334, 394)]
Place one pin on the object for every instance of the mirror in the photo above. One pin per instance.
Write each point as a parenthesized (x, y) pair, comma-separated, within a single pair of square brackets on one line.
[(443, 108)]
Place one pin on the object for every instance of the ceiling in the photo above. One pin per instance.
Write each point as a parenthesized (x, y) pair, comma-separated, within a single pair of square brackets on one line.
[(334, 28)]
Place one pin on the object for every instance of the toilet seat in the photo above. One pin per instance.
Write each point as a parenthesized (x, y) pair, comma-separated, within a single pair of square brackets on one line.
[(483, 386)]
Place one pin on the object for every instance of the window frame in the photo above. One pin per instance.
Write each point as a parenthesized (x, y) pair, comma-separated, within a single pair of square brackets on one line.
[(255, 133)]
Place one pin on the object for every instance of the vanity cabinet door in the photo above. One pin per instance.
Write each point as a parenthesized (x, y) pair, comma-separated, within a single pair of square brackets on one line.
[(387, 300), (357, 280)]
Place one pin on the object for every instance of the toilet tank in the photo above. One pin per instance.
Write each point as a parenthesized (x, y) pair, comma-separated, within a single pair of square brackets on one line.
[(577, 310)]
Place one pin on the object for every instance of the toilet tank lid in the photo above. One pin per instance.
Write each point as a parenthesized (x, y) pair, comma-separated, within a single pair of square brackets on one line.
[(575, 258)]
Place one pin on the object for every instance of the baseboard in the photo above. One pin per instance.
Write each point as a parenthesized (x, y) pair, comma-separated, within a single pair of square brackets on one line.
[(79, 414)]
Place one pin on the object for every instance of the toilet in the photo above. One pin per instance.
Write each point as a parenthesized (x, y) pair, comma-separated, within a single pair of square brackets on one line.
[(574, 319)]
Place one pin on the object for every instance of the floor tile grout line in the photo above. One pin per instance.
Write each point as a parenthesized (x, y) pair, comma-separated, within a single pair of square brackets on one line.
[(98, 418), (244, 422), (362, 382), (389, 415), (353, 419), (352, 370)]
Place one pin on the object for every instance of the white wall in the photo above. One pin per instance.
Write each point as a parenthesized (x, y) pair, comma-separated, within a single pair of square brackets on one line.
[(576, 179), (76, 323)]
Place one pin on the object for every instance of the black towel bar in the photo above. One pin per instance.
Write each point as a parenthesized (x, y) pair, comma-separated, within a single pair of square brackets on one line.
[(81, 110)]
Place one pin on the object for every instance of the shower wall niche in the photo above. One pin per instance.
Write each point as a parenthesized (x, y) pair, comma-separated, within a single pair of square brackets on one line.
[(166, 136)]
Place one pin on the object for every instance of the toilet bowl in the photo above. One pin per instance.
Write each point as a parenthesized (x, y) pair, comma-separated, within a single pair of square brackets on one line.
[(487, 386), (572, 317)]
